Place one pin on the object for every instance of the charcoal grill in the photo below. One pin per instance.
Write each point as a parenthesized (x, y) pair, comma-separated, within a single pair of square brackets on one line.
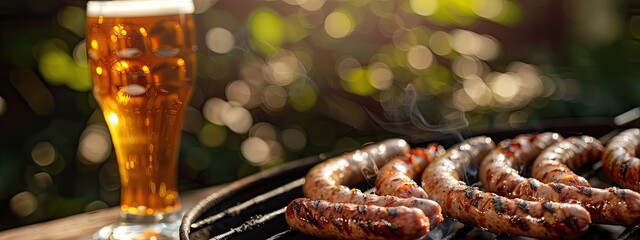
[(253, 207)]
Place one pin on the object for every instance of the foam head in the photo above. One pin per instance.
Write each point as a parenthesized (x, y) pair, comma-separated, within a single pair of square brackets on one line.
[(138, 8)]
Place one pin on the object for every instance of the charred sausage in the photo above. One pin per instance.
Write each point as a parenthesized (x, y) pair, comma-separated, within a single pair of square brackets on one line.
[(330, 180), (499, 174), (619, 160), (350, 221), (556, 163), (469, 205), (396, 178)]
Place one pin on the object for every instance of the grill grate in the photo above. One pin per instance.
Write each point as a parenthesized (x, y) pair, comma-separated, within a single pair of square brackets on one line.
[(253, 207)]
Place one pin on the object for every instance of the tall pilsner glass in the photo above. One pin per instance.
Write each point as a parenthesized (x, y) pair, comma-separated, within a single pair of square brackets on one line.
[(142, 62)]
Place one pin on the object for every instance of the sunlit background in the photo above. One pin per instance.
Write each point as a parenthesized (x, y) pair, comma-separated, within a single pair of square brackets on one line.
[(283, 79)]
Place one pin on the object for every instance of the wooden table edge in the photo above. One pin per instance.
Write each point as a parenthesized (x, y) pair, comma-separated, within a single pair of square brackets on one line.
[(82, 226)]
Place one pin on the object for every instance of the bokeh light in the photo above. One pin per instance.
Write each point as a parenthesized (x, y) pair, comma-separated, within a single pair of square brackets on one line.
[(214, 109), (303, 96), (3, 106), (264, 131), (381, 76), (212, 135), (95, 144), (240, 92), (43, 180), (219, 40), (420, 57), (490, 9), (95, 205), (424, 7), (24, 204), (294, 139), (466, 66), (237, 118), (596, 22), (282, 68), (339, 24), (256, 150), (72, 18), (311, 5), (43, 154), (274, 98), (267, 30), (440, 43)]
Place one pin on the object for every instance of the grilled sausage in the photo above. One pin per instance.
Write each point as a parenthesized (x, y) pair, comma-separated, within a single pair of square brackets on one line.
[(329, 180), (619, 160), (350, 221), (396, 178), (469, 205), (555, 164), (498, 174)]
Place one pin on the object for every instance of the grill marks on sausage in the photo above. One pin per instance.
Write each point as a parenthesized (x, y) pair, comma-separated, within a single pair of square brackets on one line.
[(555, 164), (570, 222), (329, 180), (396, 178), (362, 209), (314, 204), (308, 214), (523, 205), (558, 187), (548, 207), (586, 191), (545, 219), (619, 193), (623, 170), (337, 207), (620, 161), (490, 211), (318, 218), (534, 184), (497, 203), (604, 205)]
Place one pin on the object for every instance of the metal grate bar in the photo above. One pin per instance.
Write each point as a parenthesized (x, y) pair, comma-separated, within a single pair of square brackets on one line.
[(251, 202), (630, 233), (281, 235), (255, 221), (460, 233)]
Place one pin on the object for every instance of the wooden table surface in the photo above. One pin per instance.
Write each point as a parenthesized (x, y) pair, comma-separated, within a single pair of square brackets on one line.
[(82, 226)]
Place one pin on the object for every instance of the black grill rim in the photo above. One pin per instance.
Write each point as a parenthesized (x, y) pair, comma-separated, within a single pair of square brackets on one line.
[(228, 191)]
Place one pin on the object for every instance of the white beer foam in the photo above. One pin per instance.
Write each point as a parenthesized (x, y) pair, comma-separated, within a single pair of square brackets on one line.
[(138, 8)]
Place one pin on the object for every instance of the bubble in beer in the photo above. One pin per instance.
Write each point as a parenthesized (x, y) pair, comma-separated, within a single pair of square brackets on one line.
[(172, 69), (128, 72), (167, 37), (128, 41), (133, 90), (98, 45)]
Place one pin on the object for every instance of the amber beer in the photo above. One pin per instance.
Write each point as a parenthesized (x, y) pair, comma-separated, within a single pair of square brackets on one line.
[(142, 61)]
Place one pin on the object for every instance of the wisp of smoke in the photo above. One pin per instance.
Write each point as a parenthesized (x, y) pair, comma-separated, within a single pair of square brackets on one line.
[(404, 117)]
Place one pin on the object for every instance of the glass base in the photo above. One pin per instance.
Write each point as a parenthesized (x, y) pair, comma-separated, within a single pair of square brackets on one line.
[(137, 227)]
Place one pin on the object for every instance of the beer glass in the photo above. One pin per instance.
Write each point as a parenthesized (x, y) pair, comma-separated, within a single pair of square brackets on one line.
[(142, 61)]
